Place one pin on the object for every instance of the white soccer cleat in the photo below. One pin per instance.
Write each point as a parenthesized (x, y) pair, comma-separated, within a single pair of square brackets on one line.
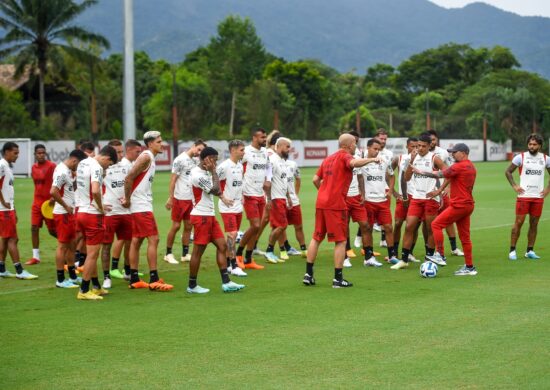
[(383, 244), (377, 227), (457, 252), (107, 284), (400, 265), (513, 255), (186, 258), (347, 263), (66, 284), (294, 252), (413, 259), (232, 287), (26, 275), (197, 290), (358, 242), (372, 262), (258, 252), (7, 274), (437, 259), (238, 272), (169, 258), (271, 258)]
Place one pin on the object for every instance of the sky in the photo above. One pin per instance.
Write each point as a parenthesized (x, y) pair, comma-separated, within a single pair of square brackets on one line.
[(521, 7)]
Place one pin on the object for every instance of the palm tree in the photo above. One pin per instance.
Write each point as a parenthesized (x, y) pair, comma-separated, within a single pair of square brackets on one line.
[(37, 33)]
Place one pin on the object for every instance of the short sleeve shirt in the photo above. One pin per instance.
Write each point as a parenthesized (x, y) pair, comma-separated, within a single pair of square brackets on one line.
[(462, 175), (336, 174)]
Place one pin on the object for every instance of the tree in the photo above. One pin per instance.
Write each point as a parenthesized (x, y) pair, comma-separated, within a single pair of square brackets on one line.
[(368, 123), (38, 32), (16, 121), (236, 57)]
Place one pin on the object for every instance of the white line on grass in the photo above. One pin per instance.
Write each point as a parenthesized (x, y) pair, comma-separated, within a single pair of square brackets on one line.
[(501, 225)]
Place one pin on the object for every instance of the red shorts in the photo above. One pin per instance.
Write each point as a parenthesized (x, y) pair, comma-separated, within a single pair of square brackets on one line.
[(253, 206), (332, 223), (8, 224), (232, 221), (37, 218), (277, 215), (356, 210), (422, 208), (119, 224), (144, 225), (65, 227), (400, 210), (531, 206), (206, 228), (379, 212), (181, 210), (92, 227), (294, 216)]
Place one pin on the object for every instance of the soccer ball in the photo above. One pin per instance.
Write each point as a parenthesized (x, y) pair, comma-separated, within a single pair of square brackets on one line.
[(428, 270), (239, 236)]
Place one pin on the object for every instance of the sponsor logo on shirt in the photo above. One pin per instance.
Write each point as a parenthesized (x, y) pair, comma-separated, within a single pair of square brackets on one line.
[(537, 172)]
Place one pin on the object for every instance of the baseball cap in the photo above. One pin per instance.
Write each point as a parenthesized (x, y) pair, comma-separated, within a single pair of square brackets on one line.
[(460, 147)]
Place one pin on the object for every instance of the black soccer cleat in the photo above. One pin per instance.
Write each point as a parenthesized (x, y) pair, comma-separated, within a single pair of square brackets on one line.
[(341, 283), (308, 280)]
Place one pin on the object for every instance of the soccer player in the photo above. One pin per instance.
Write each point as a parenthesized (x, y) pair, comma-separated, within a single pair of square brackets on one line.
[(405, 190), (278, 197), (422, 205), (62, 191), (42, 176), (91, 217), (387, 155), (446, 158), (461, 176), (180, 200), (206, 184), (230, 173), (332, 180), (255, 163), (355, 201), (531, 192), (119, 219), (138, 197), (294, 213), (378, 177), (8, 217)]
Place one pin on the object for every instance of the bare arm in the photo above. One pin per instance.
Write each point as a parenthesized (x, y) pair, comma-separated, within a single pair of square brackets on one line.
[(171, 188), (361, 182), (297, 185), (360, 162), (54, 193), (317, 181), (96, 195), (509, 175), (142, 163), (3, 201)]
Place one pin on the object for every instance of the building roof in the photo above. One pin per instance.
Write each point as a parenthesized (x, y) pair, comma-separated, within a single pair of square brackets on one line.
[(7, 80)]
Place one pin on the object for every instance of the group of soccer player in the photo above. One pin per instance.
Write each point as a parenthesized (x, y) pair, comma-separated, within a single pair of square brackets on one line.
[(96, 197)]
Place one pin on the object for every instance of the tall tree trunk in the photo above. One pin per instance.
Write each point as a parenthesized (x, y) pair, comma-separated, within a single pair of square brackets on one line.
[(95, 134), (42, 97), (232, 120)]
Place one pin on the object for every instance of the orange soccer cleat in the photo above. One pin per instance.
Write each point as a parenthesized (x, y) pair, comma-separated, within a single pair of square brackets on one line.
[(33, 261), (139, 284), (240, 262), (253, 265), (160, 286), (350, 253)]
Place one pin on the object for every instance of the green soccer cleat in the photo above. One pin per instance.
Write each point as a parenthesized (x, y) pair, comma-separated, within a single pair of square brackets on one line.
[(115, 273)]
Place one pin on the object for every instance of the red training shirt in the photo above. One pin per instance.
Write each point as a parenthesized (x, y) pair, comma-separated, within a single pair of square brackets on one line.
[(336, 173), (462, 176), (42, 176)]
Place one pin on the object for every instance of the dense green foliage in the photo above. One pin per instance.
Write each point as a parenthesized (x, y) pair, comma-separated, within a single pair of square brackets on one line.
[(232, 84)]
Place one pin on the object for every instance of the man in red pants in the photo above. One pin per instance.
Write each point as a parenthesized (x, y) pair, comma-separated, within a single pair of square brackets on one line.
[(461, 176)]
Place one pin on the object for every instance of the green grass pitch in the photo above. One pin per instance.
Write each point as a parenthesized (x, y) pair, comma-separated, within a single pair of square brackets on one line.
[(393, 329)]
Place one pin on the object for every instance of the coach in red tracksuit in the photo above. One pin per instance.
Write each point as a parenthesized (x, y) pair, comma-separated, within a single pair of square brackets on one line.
[(461, 176)]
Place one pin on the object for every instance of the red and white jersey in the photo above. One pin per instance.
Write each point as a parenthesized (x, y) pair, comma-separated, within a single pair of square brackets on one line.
[(279, 179), (63, 180), (114, 186), (293, 174), (6, 185), (422, 185), (402, 164), (88, 171), (142, 191), (374, 177), (386, 155), (531, 173), (256, 164), (354, 186), (182, 166), (231, 183), (443, 155), (202, 184)]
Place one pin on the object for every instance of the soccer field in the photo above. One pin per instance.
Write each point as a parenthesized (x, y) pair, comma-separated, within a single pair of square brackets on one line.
[(393, 329)]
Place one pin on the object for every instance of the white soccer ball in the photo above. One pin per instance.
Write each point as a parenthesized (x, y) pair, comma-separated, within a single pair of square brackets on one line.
[(239, 236), (428, 270)]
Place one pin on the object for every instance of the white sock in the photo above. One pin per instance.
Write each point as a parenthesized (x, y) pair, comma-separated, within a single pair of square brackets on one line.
[(36, 253)]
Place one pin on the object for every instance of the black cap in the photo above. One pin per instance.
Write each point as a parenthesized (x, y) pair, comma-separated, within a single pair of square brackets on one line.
[(460, 147)]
